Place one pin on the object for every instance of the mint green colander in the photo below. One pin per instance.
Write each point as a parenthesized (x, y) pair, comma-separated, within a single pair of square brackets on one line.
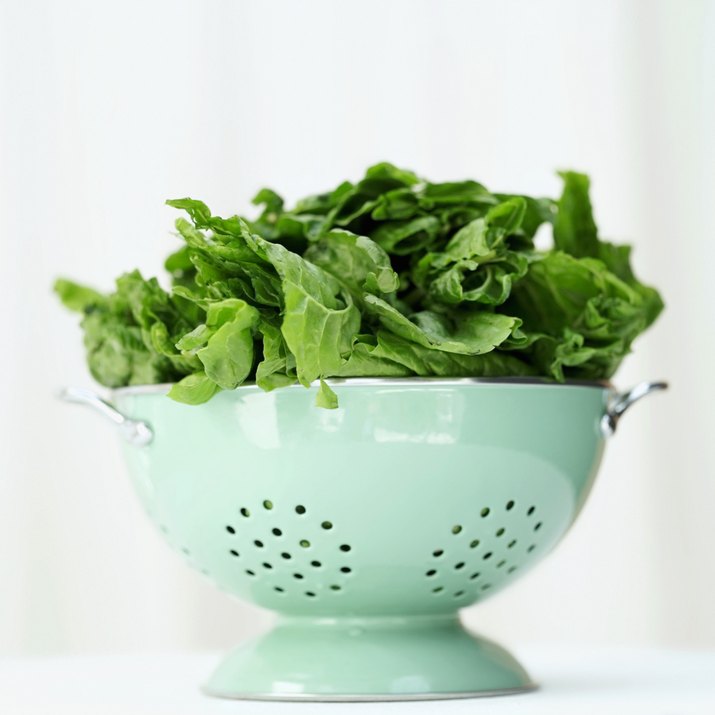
[(367, 527)]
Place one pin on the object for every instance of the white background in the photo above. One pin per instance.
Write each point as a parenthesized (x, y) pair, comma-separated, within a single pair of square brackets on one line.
[(106, 109)]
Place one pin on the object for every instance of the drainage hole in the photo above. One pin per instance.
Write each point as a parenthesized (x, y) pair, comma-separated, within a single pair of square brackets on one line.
[(484, 512), (298, 576), (531, 548), (266, 565), (511, 569), (335, 587), (474, 576), (346, 569), (431, 572), (327, 525), (438, 589), (245, 512), (530, 510), (276, 532), (304, 543), (457, 594), (300, 509), (233, 552), (511, 544), (258, 543), (510, 505), (474, 544), (501, 563), (486, 586), (250, 573), (286, 555), (538, 526), (279, 589), (488, 555), (316, 564), (499, 532), (230, 530), (437, 553), (456, 529), (345, 547), (310, 593), (458, 566), (267, 504)]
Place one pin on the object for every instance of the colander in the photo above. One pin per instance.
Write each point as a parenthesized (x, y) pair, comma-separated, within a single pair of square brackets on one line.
[(367, 528)]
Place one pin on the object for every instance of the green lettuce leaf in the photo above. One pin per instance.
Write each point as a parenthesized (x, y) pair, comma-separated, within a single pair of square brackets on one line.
[(357, 262), (320, 319), (194, 389), (425, 362), (586, 315), (477, 264), (575, 230), (468, 333), (277, 368)]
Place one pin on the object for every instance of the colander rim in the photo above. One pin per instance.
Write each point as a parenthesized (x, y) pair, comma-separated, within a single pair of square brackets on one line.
[(162, 388)]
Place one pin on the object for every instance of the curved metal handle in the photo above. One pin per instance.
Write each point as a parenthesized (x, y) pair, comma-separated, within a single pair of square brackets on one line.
[(623, 400), (135, 432)]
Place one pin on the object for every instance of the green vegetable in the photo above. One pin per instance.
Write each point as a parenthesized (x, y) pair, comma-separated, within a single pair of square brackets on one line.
[(391, 276)]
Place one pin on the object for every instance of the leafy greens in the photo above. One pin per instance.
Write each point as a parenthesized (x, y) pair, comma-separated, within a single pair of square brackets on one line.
[(390, 276)]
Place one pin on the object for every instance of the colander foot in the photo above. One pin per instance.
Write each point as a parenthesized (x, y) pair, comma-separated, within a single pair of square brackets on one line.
[(346, 659)]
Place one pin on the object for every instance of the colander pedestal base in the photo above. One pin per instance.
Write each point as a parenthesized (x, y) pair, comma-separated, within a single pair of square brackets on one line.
[(390, 658)]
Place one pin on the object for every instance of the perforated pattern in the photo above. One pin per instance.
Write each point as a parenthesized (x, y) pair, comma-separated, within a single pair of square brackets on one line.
[(280, 546), (474, 558)]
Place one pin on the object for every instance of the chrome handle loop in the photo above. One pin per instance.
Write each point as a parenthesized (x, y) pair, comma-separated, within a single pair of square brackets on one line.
[(135, 432), (623, 401)]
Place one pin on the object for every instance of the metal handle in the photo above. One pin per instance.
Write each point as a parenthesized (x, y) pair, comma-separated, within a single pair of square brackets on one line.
[(623, 400), (135, 432)]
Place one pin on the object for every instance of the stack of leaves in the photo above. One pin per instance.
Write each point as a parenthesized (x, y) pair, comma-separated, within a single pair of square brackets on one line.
[(390, 276)]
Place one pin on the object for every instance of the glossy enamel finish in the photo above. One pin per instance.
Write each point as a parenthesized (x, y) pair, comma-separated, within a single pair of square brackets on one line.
[(367, 659), (412, 499)]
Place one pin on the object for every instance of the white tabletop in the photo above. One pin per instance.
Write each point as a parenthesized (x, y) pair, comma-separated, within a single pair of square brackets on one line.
[(577, 681)]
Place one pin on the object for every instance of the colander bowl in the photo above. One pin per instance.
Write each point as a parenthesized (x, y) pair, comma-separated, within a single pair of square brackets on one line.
[(367, 528)]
